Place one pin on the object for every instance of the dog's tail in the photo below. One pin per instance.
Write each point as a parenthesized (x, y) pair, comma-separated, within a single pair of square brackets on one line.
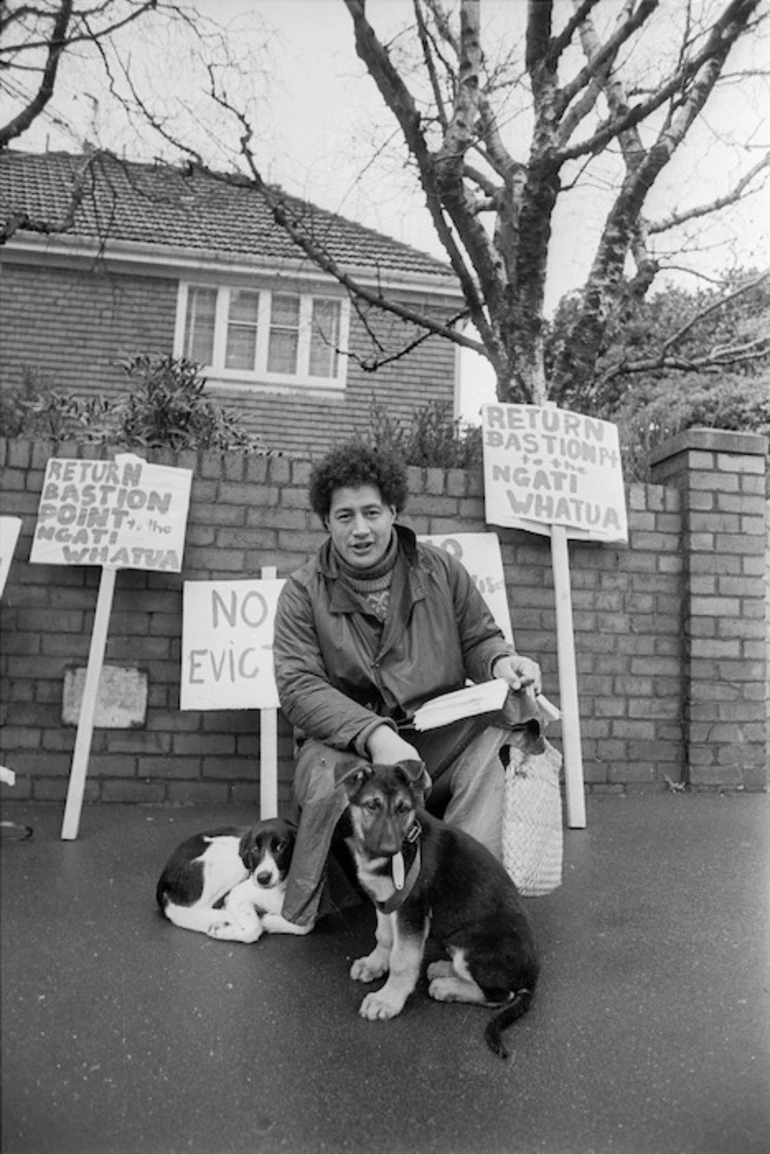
[(510, 1013)]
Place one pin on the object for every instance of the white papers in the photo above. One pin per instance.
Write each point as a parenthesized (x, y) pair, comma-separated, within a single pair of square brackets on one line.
[(486, 697)]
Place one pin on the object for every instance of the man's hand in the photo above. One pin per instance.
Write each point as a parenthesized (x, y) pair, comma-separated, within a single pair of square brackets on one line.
[(386, 747), (519, 672)]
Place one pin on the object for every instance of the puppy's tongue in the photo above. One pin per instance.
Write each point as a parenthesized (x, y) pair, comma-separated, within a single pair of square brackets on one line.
[(398, 871)]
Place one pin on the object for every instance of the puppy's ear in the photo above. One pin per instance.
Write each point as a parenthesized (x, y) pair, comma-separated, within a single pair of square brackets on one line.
[(416, 775), (247, 850), (355, 778)]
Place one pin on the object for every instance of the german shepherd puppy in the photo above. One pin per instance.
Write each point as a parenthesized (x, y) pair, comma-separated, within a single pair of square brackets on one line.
[(428, 879)]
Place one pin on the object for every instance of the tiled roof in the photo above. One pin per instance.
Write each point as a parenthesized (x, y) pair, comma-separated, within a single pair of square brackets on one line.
[(156, 204)]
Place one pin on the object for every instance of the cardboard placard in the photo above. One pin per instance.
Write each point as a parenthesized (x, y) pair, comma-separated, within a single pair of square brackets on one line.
[(481, 556), (121, 514), (545, 466), (227, 644)]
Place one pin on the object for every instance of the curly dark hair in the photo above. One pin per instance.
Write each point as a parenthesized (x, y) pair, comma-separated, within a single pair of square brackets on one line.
[(352, 465)]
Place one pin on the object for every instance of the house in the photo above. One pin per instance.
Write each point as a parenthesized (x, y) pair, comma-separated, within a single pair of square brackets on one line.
[(107, 258)]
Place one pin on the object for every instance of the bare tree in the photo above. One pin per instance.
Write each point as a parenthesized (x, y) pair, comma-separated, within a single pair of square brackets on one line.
[(34, 39), (492, 203)]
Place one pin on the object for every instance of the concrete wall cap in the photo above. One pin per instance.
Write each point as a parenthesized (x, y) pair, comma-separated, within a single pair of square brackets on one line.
[(712, 441)]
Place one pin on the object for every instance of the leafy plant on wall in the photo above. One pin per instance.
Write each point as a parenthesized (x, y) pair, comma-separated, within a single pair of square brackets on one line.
[(165, 406)]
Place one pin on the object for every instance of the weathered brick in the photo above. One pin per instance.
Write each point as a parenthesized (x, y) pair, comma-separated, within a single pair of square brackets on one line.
[(715, 606), (711, 648), (735, 463), (634, 730), (633, 771), (706, 480), (55, 789), (134, 791), (169, 767), (197, 793), (280, 470), (742, 543)]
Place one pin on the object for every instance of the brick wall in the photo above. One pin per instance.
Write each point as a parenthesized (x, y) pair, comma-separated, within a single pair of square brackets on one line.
[(670, 632), (721, 478), (71, 328)]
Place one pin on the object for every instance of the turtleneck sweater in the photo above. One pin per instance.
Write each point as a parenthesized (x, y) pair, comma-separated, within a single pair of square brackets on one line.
[(372, 584)]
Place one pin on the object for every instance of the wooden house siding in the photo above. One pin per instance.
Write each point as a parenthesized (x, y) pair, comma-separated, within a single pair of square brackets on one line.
[(69, 328)]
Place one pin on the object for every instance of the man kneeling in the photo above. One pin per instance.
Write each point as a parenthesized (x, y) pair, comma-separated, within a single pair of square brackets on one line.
[(368, 630)]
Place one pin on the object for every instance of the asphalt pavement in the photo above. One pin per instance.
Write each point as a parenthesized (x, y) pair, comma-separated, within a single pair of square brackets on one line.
[(649, 1034)]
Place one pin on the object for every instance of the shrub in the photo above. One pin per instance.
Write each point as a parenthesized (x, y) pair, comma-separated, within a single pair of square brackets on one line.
[(432, 438), (167, 406), (644, 422), (164, 407)]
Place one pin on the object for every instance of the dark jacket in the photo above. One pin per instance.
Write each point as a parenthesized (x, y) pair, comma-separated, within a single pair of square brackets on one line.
[(338, 679)]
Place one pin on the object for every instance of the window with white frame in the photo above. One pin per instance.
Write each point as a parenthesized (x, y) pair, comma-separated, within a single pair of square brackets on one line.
[(251, 335)]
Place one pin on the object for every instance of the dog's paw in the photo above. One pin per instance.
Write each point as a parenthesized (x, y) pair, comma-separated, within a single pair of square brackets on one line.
[(277, 924), (453, 988), (443, 969), (368, 969), (232, 932), (443, 989), (221, 930), (380, 1006)]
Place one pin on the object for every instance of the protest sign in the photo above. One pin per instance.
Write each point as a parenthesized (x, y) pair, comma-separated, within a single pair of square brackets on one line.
[(10, 528), (227, 644), (121, 514), (557, 473), (481, 556), (545, 466)]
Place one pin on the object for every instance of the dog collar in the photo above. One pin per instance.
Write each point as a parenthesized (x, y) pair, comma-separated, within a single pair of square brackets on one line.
[(404, 884)]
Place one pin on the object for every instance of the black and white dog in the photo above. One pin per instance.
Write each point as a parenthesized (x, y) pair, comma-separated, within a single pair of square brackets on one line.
[(230, 882)]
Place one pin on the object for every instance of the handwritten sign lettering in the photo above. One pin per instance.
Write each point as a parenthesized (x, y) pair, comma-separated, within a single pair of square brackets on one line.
[(124, 514), (547, 466), (481, 556), (227, 644)]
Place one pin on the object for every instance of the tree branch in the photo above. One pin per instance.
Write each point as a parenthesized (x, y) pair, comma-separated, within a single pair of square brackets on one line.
[(718, 356), (674, 219), (715, 306), (284, 216), (56, 46), (605, 55), (710, 59), (398, 98)]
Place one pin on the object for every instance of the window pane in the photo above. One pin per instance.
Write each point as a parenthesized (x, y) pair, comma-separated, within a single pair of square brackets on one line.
[(244, 307), (284, 334), (199, 325), (324, 338), (282, 357), (285, 310), (241, 349)]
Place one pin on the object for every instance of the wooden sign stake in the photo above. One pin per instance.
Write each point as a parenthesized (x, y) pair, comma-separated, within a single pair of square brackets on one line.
[(77, 781), (268, 745), (565, 646)]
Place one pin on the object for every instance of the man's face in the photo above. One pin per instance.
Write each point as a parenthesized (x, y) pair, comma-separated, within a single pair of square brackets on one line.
[(360, 525)]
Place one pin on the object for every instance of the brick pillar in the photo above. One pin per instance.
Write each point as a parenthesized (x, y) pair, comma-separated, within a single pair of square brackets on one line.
[(721, 477)]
